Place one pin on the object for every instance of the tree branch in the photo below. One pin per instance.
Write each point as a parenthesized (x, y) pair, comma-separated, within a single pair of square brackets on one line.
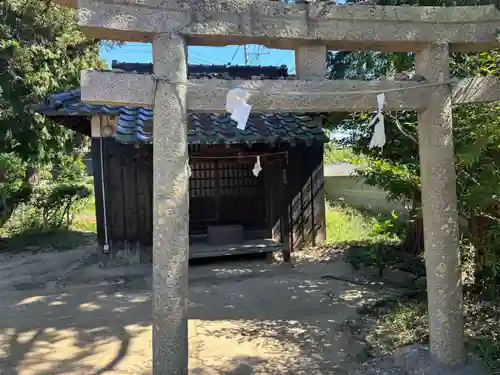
[(398, 125), (488, 216)]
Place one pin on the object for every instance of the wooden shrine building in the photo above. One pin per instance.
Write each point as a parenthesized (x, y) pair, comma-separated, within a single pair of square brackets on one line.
[(230, 209)]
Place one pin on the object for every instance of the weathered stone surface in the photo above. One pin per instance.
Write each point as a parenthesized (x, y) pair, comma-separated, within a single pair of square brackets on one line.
[(310, 62), (274, 24), (439, 200), (171, 208), (379, 366), (417, 360), (136, 90), (212, 22), (266, 95), (306, 96)]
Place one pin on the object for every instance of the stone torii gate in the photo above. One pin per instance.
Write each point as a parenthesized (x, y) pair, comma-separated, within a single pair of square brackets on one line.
[(311, 30)]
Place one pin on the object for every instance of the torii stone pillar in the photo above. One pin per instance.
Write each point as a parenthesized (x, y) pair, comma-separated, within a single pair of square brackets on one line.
[(171, 207), (439, 200), (310, 62), (441, 237)]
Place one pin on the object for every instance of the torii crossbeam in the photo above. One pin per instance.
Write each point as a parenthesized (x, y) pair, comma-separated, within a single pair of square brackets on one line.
[(309, 29)]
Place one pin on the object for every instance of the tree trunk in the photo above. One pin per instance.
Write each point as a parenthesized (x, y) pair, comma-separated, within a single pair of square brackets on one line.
[(6, 211), (487, 252), (9, 204), (31, 176), (414, 239)]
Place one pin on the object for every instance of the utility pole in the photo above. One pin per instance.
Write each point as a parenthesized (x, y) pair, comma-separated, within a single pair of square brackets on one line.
[(245, 48)]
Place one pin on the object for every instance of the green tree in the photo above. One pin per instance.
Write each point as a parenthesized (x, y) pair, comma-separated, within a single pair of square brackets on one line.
[(41, 51), (396, 168)]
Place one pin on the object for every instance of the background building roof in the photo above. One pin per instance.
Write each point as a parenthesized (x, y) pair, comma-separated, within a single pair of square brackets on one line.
[(135, 123)]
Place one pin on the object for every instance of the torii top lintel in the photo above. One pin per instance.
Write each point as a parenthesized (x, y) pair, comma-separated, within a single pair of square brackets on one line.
[(278, 25)]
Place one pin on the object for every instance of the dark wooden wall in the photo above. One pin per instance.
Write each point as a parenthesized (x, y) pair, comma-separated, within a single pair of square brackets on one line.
[(305, 197), (128, 180), (290, 206)]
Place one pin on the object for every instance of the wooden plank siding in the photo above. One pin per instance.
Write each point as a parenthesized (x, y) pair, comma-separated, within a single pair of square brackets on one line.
[(98, 188), (128, 181), (305, 192), (285, 202), (145, 198)]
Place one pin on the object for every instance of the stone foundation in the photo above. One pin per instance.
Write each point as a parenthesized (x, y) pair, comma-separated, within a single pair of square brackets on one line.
[(125, 254), (417, 360)]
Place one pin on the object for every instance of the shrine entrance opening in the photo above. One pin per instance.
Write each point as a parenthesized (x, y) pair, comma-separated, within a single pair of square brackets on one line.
[(225, 192)]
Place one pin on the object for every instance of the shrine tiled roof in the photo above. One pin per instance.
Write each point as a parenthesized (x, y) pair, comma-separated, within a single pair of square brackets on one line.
[(213, 71), (135, 123)]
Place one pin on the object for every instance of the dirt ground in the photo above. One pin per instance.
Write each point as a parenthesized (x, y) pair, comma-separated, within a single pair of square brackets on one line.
[(245, 317)]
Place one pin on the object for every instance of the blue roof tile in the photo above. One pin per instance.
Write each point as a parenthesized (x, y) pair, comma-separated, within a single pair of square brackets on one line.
[(135, 123)]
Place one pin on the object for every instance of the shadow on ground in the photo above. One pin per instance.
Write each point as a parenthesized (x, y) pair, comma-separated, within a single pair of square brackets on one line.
[(74, 332), (250, 318)]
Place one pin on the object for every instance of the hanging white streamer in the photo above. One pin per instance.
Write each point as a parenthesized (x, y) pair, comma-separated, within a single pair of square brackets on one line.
[(236, 104), (378, 138), (257, 167)]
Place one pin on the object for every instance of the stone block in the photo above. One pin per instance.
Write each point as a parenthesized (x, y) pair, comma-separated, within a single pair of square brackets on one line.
[(378, 366), (399, 277), (417, 360), (225, 234), (100, 88)]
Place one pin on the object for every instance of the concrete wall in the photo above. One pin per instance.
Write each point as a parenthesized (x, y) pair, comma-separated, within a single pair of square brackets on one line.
[(354, 192)]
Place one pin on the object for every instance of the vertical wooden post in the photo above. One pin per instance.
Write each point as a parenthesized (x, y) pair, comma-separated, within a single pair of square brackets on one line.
[(439, 199), (170, 207), (287, 237), (310, 62)]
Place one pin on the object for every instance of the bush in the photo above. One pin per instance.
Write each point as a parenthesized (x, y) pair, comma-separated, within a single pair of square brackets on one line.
[(58, 202), (390, 227), (48, 204)]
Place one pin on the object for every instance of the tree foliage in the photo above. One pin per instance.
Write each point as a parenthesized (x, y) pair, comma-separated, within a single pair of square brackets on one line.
[(41, 51), (396, 167)]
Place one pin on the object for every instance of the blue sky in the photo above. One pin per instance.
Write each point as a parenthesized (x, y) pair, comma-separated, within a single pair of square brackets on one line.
[(142, 52)]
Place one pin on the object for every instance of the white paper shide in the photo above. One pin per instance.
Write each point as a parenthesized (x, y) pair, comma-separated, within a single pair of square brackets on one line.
[(257, 167), (378, 138), (236, 104)]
